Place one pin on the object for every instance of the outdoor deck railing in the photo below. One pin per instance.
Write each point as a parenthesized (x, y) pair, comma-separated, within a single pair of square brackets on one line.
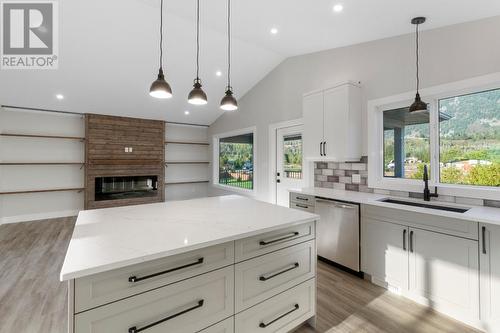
[(237, 178)]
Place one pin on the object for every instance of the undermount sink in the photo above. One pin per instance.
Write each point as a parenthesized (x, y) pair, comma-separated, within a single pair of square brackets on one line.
[(424, 205)]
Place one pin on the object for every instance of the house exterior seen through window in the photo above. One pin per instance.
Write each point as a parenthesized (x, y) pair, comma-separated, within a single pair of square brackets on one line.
[(236, 160)]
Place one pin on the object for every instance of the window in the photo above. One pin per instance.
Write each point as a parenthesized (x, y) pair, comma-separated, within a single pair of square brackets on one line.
[(236, 161), (469, 139), (458, 138), (292, 156), (406, 143)]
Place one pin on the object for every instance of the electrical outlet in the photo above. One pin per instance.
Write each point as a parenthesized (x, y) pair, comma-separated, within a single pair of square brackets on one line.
[(356, 179), (130, 149), (126, 149)]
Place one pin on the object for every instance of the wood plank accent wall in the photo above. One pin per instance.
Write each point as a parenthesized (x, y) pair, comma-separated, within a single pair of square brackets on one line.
[(105, 156)]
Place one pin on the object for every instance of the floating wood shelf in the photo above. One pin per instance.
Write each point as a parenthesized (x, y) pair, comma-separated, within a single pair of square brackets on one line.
[(188, 162), (187, 182), (44, 191), (43, 136), (187, 143), (42, 163)]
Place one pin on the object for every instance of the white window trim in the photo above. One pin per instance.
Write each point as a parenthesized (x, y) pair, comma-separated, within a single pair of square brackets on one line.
[(215, 159), (431, 95)]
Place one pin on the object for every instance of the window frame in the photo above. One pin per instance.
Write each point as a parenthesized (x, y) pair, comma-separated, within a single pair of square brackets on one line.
[(431, 95), (215, 159)]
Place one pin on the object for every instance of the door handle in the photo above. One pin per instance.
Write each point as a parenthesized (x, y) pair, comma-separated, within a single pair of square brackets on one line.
[(324, 148), (268, 276), (484, 239), (411, 241), (279, 238), (404, 239), (137, 279)]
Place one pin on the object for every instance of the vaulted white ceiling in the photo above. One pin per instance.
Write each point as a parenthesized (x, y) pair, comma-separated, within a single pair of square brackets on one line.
[(109, 49)]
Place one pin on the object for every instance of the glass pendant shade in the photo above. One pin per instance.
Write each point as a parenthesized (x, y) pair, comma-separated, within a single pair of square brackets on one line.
[(197, 96), (160, 88), (418, 105), (228, 102)]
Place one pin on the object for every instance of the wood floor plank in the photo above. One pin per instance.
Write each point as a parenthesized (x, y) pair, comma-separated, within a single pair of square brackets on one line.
[(32, 300)]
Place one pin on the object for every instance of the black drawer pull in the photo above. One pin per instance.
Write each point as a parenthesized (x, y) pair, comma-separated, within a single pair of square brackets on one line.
[(411, 241), (302, 199), (291, 235), (137, 279), (301, 206), (264, 325), (134, 329), (404, 240), (265, 278)]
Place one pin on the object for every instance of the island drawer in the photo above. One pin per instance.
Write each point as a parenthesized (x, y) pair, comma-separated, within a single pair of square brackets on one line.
[(185, 307), (271, 241), (225, 326), (261, 278), (282, 313), (302, 206), (103, 288)]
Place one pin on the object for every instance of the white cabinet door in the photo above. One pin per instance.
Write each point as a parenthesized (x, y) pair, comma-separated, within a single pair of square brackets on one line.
[(444, 273), (336, 121), (384, 253), (489, 261), (313, 124)]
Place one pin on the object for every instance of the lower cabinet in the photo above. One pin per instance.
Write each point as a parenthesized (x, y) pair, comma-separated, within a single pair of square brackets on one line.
[(226, 326), (281, 313), (489, 261), (431, 268), (384, 253), (444, 273)]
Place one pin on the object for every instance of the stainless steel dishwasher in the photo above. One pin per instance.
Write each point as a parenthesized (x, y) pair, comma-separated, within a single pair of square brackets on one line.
[(338, 232)]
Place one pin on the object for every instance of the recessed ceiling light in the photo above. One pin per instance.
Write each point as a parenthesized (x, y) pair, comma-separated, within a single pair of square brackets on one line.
[(186, 112), (338, 8), (218, 73), (274, 31), (59, 96)]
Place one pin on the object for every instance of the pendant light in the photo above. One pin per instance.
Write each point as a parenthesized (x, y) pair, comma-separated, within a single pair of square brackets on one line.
[(197, 96), (228, 102), (418, 105), (160, 88)]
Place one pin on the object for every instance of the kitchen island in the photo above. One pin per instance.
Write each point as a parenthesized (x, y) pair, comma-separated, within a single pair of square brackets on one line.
[(220, 264)]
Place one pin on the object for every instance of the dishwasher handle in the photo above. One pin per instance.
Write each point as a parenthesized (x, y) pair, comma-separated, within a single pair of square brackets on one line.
[(337, 204)]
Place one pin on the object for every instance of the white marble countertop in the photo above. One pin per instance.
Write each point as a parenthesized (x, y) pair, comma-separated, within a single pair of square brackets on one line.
[(481, 214), (110, 238)]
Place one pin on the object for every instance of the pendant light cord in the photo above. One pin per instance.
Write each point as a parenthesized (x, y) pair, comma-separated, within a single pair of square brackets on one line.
[(229, 44), (417, 60), (197, 40), (161, 34)]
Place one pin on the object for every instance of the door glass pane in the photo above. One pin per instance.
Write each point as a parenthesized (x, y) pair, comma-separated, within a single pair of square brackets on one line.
[(469, 139), (406, 143), (292, 156)]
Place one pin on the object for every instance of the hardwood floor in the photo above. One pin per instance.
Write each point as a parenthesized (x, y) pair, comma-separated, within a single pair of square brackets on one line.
[(32, 300)]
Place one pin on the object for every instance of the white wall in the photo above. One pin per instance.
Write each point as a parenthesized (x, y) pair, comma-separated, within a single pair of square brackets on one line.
[(384, 67), (22, 207)]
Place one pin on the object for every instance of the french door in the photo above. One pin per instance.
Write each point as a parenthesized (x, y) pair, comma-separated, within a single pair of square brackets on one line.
[(289, 162)]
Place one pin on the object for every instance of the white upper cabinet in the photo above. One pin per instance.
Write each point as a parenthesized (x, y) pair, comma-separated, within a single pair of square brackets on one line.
[(489, 262), (332, 124)]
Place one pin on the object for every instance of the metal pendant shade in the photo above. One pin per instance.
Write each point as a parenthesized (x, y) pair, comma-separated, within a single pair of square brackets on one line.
[(228, 102), (160, 88), (197, 96), (418, 105)]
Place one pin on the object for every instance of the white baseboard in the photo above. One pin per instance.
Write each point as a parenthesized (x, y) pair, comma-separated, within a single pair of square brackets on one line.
[(40, 216)]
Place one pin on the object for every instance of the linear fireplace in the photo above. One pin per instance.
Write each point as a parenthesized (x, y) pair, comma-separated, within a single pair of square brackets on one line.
[(125, 187)]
